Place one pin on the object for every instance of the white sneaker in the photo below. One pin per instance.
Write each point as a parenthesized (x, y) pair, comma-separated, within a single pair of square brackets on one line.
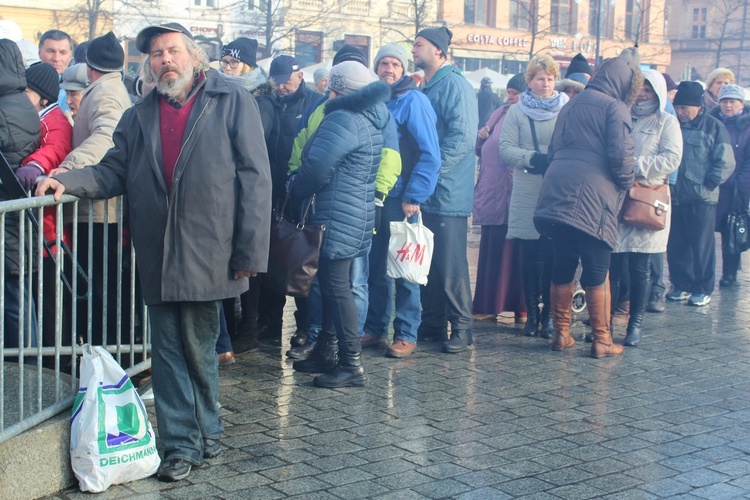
[(699, 299)]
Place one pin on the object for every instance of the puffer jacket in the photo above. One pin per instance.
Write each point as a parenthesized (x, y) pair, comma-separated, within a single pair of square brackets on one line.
[(516, 149), (739, 134), (707, 161), (455, 105), (592, 162), (339, 163), (283, 113), (658, 150), (19, 133)]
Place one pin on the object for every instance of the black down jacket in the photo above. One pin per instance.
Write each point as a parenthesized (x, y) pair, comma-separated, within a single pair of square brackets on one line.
[(19, 133), (591, 153)]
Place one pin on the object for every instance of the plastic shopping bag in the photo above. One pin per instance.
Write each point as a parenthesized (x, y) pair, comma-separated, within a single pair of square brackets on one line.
[(111, 439), (410, 251)]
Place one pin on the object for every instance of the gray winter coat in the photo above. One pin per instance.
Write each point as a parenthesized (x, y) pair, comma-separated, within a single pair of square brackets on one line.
[(217, 217), (658, 150), (592, 160), (516, 149)]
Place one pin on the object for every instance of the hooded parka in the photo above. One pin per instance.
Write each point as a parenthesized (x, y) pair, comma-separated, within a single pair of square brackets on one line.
[(217, 217), (591, 156), (658, 150)]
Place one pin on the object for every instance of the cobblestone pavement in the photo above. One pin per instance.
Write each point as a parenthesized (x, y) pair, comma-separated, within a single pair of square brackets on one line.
[(509, 418)]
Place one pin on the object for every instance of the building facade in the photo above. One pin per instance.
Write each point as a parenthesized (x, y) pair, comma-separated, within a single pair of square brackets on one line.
[(706, 35)]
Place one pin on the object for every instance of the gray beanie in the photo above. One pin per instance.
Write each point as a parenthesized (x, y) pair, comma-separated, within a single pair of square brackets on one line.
[(319, 74), (730, 91), (393, 50), (348, 77)]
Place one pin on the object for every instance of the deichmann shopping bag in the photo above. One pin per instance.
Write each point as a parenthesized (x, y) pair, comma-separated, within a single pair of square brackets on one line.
[(111, 439), (410, 251)]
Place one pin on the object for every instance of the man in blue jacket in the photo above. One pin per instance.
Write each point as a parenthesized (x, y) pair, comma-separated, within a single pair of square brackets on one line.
[(447, 296), (420, 165)]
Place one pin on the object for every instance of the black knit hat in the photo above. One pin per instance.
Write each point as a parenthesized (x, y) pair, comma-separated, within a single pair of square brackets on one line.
[(689, 94), (244, 49), (518, 82), (79, 56), (43, 79), (350, 53), (105, 54), (439, 37), (579, 64)]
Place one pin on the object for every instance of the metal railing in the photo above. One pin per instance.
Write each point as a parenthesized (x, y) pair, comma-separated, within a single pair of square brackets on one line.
[(60, 297)]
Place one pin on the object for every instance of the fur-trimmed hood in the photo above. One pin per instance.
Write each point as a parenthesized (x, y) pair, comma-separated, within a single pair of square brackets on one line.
[(566, 83), (618, 79), (369, 101)]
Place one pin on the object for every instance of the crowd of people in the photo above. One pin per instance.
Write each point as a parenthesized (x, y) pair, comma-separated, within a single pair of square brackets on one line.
[(205, 150)]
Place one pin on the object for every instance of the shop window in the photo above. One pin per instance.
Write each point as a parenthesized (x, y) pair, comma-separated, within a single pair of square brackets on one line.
[(307, 49)]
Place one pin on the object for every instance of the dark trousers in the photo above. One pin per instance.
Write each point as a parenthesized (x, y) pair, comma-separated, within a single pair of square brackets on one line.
[(447, 295), (691, 252), (635, 268), (339, 308), (271, 309), (730, 263), (538, 261), (568, 246)]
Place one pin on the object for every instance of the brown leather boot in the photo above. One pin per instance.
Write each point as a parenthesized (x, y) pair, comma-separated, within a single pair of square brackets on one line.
[(599, 304), (561, 297)]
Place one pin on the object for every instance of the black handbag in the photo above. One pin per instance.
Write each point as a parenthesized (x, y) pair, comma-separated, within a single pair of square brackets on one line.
[(734, 238), (294, 252)]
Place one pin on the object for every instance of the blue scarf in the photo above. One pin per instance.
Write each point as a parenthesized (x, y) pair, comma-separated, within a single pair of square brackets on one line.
[(542, 108)]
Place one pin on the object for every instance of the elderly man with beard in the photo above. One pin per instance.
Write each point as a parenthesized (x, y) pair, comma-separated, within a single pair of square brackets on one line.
[(192, 161)]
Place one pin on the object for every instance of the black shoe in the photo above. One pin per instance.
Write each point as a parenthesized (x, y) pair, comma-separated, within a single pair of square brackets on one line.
[(211, 448), (322, 359), (173, 469), (247, 338), (459, 342), (269, 334), (299, 338), (548, 330), (349, 373), (632, 337), (656, 304), (301, 352), (429, 334), (728, 281), (589, 337)]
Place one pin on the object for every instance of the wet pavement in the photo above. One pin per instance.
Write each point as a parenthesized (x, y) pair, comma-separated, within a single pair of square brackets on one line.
[(509, 418)]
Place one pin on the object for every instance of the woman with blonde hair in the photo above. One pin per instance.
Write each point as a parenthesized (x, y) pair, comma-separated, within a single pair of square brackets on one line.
[(238, 63), (526, 134), (716, 79)]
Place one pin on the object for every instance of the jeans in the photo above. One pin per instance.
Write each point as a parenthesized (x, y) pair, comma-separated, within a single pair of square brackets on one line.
[(380, 307), (657, 274), (339, 308), (185, 371), (447, 295), (16, 315), (224, 343)]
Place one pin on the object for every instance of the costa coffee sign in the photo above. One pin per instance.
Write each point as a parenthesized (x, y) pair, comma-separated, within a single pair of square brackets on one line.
[(502, 41)]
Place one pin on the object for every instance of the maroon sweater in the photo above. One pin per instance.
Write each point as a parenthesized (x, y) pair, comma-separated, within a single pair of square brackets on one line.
[(172, 123)]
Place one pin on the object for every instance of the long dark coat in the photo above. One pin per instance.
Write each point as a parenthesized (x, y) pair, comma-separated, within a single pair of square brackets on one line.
[(739, 134), (216, 218), (592, 162)]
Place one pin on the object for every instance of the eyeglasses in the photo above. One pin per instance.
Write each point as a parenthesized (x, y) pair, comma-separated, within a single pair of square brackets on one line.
[(232, 63)]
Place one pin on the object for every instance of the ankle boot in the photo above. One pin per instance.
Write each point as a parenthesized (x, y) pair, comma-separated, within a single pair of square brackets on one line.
[(548, 329), (247, 337), (322, 359), (532, 296), (599, 303), (561, 297), (348, 373), (460, 341), (638, 299)]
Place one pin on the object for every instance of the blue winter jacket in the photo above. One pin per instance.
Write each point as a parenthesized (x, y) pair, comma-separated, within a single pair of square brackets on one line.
[(339, 164), (455, 104), (417, 142)]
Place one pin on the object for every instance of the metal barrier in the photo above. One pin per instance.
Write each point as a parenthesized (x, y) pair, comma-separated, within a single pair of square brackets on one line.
[(43, 329)]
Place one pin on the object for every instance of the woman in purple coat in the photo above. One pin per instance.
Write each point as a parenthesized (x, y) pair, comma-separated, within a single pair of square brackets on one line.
[(735, 192), (499, 282)]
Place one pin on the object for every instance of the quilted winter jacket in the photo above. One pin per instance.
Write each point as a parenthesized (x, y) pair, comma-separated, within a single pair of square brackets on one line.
[(217, 217), (455, 105), (707, 161), (339, 163), (592, 163)]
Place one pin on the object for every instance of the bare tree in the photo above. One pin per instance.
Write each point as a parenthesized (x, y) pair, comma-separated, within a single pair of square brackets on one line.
[(725, 27), (409, 17), (94, 17), (527, 16)]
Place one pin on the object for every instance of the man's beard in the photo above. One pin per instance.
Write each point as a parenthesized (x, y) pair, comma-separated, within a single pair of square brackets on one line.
[(174, 89)]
